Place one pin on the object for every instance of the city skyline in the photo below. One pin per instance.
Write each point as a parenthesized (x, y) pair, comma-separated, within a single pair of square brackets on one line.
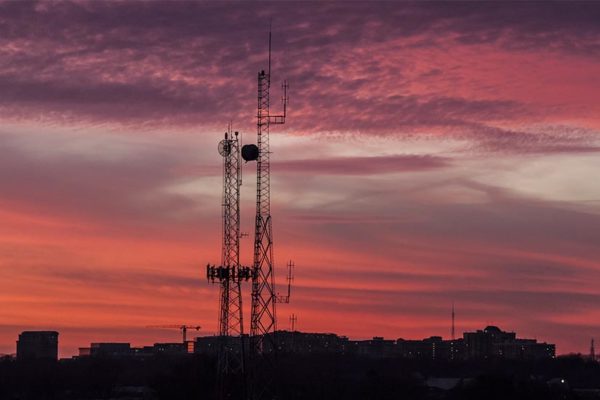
[(436, 155), (488, 343)]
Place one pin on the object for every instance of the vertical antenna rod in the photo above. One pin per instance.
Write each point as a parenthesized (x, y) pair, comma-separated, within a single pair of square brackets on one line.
[(269, 71), (453, 332)]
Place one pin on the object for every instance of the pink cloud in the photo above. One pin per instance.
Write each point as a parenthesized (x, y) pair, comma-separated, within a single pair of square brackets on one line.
[(434, 72)]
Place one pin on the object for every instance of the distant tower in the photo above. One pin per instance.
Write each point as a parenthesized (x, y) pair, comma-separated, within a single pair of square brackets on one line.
[(453, 336), (592, 351), (453, 333), (230, 273), (293, 320)]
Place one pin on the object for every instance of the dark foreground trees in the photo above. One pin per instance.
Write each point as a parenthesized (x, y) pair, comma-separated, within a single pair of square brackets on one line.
[(311, 377)]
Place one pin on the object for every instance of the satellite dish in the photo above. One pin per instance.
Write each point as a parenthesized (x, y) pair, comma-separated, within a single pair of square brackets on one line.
[(250, 152), (224, 147)]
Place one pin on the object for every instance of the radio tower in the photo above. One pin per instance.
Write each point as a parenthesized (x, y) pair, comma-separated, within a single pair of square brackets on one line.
[(453, 333), (293, 320), (264, 297), (230, 274)]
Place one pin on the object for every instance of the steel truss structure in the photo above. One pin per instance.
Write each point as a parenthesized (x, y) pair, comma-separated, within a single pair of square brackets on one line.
[(264, 298), (230, 274), (260, 371)]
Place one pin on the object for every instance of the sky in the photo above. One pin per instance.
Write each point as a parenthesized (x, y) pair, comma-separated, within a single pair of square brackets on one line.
[(434, 153)]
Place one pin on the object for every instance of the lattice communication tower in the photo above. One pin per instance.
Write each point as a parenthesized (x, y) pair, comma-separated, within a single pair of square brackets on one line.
[(264, 297), (230, 275)]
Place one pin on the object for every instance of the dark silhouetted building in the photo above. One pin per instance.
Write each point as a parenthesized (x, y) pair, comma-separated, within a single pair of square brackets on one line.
[(37, 345), (432, 348), (124, 350), (110, 350), (210, 345), (488, 343), (318, 343), (376, 347), (492, 342), (170, 348)]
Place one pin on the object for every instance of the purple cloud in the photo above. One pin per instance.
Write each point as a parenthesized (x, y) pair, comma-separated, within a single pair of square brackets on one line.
[(362, 165)]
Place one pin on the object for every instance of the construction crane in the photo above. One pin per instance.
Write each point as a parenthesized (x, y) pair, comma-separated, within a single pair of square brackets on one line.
[(182, 328)]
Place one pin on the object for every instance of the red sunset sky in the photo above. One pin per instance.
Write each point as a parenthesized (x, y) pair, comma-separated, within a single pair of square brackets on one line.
[(434, 153)]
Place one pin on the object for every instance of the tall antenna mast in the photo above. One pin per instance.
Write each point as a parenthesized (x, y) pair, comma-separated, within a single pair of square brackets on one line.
[(453, 332), (263, 322), (230, 274), (269, 72), (293, 320)]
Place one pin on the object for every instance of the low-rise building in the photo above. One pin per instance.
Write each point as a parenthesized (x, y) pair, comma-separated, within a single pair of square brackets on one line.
[(488, 343), (111, 350), (210, 345)]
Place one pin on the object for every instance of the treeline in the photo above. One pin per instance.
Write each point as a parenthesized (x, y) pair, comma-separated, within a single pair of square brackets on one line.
[(311, 377)]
